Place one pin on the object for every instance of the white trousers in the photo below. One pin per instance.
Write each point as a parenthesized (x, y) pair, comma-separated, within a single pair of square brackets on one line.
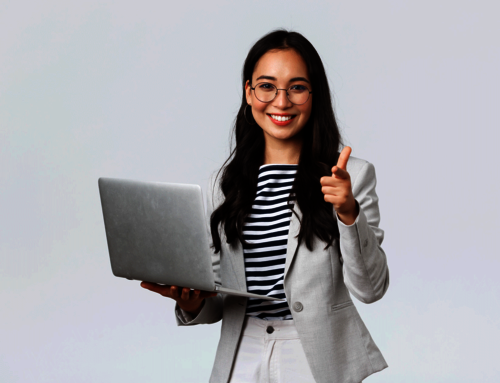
[(270, 352)]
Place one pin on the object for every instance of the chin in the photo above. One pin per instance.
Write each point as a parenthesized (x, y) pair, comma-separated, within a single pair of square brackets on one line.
[(283, 137)]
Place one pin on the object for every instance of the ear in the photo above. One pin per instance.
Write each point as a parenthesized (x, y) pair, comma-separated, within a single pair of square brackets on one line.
[(248, 92)]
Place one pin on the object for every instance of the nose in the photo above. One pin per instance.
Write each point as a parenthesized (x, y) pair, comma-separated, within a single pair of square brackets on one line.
[(281, 101)]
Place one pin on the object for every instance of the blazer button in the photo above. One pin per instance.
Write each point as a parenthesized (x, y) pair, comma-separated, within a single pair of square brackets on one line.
[(365, 243), (297, 306)]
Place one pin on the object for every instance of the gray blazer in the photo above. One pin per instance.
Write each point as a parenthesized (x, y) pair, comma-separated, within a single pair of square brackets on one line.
[(317, 284)]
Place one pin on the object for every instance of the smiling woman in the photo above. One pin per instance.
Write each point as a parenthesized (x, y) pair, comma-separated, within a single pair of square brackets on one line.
[(290, 218), (273, 108)]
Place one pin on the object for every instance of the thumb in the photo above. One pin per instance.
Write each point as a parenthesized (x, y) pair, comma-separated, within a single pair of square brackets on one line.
[(344, 157)]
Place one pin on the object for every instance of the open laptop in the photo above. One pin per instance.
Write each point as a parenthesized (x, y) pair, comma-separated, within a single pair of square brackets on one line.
[(157, 232)]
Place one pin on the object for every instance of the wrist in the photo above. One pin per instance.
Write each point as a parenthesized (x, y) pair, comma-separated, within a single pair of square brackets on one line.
[(349, 216), (194, 311)]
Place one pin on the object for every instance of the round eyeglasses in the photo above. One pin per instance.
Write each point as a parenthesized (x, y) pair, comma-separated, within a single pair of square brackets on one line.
[(266, 92)]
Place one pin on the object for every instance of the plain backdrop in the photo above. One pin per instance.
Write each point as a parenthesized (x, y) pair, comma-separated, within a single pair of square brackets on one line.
[(149, 90)]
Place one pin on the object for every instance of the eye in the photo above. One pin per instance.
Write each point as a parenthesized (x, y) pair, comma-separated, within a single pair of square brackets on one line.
[(298, 89), (265, 87)]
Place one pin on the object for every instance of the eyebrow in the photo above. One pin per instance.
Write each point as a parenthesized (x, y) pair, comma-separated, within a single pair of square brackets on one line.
[(275, 79)]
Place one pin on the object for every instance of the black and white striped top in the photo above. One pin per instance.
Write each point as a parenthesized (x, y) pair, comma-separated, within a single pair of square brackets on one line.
[(266, 233)]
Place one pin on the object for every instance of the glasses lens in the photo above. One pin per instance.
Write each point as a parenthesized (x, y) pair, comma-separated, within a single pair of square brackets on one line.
[(265, 92), (298, 94)]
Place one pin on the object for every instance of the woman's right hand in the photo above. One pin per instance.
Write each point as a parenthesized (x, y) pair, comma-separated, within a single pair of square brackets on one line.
[(188, 300)]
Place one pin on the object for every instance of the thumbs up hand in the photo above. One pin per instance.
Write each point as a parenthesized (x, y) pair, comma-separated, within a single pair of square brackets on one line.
[(338, 191)]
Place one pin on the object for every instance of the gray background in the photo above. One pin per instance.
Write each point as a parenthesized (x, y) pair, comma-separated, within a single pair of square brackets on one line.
[(149, 91)]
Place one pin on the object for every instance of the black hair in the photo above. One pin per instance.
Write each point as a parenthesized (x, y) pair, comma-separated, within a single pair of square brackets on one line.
[(320, 151)]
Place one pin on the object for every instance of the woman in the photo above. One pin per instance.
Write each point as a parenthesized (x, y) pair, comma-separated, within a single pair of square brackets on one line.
[(293, 219)]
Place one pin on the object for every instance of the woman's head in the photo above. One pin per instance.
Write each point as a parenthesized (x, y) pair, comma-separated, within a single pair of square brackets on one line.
[(282, 44), (279, 95), (318, 130)]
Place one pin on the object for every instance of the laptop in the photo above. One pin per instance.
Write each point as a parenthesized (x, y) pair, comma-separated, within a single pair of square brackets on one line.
[(157, 232)]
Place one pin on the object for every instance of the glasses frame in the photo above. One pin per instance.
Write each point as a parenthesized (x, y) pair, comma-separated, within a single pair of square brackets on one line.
[(277, 90)]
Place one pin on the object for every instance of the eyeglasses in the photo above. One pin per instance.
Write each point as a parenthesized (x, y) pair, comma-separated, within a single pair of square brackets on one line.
[(266, 92)]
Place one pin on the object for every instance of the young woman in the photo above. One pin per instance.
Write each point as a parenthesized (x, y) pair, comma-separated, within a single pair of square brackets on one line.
[(291, 218)]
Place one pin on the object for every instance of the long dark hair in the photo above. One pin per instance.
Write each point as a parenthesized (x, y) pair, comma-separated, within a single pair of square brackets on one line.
[(321, 141)]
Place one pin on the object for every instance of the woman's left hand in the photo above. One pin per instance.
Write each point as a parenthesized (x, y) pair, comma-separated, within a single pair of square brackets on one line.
[(338, 191)]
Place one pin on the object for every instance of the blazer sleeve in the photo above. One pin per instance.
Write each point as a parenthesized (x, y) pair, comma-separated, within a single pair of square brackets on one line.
[(365, 269), (211, 311)]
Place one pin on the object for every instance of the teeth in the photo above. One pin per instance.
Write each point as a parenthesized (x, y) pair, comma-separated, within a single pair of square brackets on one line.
[(281, 118)]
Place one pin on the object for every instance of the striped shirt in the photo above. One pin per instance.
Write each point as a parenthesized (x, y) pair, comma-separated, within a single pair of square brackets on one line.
[(266, 233)]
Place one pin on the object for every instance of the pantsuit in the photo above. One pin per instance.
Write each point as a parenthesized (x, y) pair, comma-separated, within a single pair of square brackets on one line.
[(318, 286)]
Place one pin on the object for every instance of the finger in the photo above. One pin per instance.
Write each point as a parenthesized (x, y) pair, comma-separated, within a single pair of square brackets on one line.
[(331, 198), (328, 181), (174, 292), (160, 289), (334, 181), (196, 294), (185, 293), (340, 173), (147, 285), (344, 157), (329, 190)]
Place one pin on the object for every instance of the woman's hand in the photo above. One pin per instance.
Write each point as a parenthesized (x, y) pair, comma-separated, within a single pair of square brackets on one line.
[(338, 191), (189, 301)]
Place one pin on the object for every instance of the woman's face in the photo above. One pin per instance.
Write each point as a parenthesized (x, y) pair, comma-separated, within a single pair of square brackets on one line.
[(282, 68)]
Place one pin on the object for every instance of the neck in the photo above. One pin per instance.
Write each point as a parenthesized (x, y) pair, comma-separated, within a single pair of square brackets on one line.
[(282, 151)]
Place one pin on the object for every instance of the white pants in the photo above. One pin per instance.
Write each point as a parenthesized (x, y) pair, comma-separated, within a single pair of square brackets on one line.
[(270, 352)]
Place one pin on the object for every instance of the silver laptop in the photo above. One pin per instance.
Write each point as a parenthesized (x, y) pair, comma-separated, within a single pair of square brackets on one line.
[(156, 232)]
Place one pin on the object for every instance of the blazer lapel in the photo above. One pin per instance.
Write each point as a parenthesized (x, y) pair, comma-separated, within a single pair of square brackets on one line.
[(293, 232), (237, 261)]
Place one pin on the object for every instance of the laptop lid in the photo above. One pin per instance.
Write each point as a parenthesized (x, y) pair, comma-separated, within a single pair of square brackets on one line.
[(156, 232)]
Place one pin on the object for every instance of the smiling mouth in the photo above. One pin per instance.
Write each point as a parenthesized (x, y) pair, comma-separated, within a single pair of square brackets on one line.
[(279, 118)]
